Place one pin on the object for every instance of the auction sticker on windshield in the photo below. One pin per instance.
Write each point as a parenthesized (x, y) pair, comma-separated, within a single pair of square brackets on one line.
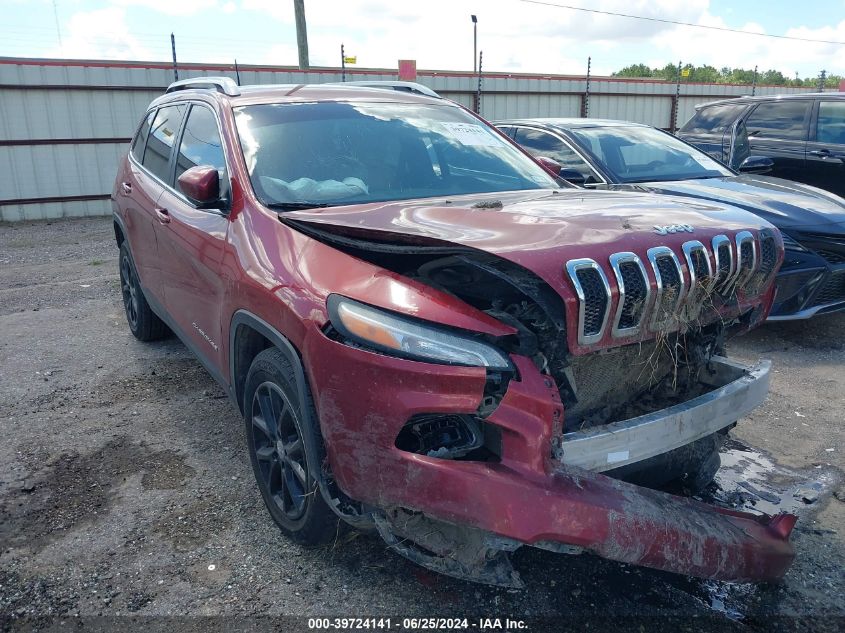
[(470, 134)]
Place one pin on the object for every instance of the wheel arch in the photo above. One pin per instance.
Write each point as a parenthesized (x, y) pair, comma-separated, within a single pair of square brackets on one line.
[(119, 229), (248, 336)]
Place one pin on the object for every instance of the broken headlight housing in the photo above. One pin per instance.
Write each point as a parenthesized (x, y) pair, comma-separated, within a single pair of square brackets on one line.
[(411, 338)]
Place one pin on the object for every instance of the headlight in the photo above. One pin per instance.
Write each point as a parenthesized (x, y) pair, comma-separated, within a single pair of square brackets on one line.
[(791, 245), (408, 338)]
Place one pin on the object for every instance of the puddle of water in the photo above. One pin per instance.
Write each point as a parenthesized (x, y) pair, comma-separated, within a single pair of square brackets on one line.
[(750, 481)]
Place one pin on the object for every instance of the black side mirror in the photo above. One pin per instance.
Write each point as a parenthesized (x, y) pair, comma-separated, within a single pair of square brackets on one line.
[(756, 165), (572, 175)]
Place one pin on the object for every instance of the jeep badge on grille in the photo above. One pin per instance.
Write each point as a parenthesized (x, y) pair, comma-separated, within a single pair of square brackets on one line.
[(673, 228)]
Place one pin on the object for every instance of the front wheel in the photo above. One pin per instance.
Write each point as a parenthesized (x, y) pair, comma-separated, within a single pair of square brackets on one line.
[(283, 443)]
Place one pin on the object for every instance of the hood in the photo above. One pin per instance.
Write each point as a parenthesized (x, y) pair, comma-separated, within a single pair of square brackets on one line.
[(538, 230), (784, 203)]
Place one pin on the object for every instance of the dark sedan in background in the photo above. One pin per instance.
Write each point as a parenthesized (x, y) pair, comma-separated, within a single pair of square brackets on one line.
[(619, 155)]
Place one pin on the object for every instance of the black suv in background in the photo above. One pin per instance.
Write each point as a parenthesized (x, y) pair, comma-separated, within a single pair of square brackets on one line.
[(804, 134)]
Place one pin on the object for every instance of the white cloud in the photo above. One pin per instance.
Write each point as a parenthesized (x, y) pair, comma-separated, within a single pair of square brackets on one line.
[(169, 7), (102, 33), (514, 36)]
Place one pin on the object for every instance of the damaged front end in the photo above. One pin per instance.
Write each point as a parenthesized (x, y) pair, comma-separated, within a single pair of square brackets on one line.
[(612, 375)]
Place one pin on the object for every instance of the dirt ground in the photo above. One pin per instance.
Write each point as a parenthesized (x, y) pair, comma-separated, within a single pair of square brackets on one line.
[(126, 489)]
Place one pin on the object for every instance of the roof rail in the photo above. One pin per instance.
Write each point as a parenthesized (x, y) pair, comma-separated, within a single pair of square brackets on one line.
[(221, 84), (401, 86)]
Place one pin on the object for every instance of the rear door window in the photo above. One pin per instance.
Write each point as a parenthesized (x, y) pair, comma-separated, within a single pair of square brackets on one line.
[(830, 127), (713, 119), (140, 141), (779, 119), (162, 136)]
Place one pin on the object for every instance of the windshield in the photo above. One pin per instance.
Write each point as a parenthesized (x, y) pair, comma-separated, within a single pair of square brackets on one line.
[(644, 154), (330, 153)]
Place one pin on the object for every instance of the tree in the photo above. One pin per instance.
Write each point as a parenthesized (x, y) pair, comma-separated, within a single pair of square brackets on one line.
[(634, 70)]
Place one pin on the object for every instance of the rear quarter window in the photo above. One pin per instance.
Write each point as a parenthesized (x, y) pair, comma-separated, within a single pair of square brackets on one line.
[(713, 119), (140, 140), (830, 127)]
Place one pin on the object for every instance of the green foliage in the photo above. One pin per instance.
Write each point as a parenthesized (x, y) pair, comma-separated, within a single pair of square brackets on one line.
[(726, 75)]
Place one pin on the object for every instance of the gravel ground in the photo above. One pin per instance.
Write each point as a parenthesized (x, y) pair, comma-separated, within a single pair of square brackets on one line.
[(126, 490)]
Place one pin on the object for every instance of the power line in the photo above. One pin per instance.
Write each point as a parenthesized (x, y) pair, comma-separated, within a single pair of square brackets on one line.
[(679, 23)]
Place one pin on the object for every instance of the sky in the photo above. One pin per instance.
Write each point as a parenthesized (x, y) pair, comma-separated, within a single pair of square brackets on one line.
[(514, 35)]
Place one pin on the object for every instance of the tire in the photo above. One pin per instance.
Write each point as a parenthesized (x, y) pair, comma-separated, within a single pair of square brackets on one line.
[(143, 322), (282, 450)]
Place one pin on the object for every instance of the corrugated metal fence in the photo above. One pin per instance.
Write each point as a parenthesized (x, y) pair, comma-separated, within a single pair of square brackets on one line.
[(64, 123)]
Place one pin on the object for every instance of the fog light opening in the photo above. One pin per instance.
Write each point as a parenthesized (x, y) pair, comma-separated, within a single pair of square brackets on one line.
[(449, 437)]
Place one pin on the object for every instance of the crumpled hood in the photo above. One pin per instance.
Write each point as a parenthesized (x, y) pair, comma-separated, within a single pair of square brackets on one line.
[(538, 230), (530, 226), (784, 203)]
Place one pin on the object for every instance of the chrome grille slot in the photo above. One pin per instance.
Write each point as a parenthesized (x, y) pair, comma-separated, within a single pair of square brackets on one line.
[(723, 255), (670, 285), (634, 293), (593, 293), (768, 260), (701, 276), (746, 248)]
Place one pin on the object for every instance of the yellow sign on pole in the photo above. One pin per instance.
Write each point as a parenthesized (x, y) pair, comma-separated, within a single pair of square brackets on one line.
[(350, 60), (685, 72)]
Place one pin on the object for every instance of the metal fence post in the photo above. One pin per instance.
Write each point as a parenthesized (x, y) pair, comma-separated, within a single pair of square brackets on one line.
[(585, 105), (173, 48), (676, 102)]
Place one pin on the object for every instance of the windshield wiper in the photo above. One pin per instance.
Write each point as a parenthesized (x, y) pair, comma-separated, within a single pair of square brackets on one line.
[(296, 206)]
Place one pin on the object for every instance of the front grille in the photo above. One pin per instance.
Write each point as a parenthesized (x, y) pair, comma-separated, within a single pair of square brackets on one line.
[(634, 293), (730, 263), (832, 291), (593, 296), (699, 265), (831, 257), (724, 260), (768, 255), (670, 284), (595, 300), (768, 260)]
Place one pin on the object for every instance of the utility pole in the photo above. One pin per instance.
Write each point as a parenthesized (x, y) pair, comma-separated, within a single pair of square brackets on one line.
[(342, 64), (474, 42), (754, 83), (301, 33), (173, 48)]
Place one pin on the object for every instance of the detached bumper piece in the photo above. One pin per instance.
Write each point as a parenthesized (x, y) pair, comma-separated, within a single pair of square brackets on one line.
[(736, 391)]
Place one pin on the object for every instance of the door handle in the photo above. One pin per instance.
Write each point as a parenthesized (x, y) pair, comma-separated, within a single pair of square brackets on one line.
[(163, 215), (820, 152), (127, 188)]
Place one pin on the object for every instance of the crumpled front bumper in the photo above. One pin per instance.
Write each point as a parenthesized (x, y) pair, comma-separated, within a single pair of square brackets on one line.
[(528, 496)]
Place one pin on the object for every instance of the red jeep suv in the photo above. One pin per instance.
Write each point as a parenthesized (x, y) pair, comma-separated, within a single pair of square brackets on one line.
[(429, 335)]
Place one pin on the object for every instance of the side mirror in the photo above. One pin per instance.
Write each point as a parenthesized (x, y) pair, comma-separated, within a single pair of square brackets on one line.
[(756, 165), (550, 165), (201, 185), (572, 175)]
